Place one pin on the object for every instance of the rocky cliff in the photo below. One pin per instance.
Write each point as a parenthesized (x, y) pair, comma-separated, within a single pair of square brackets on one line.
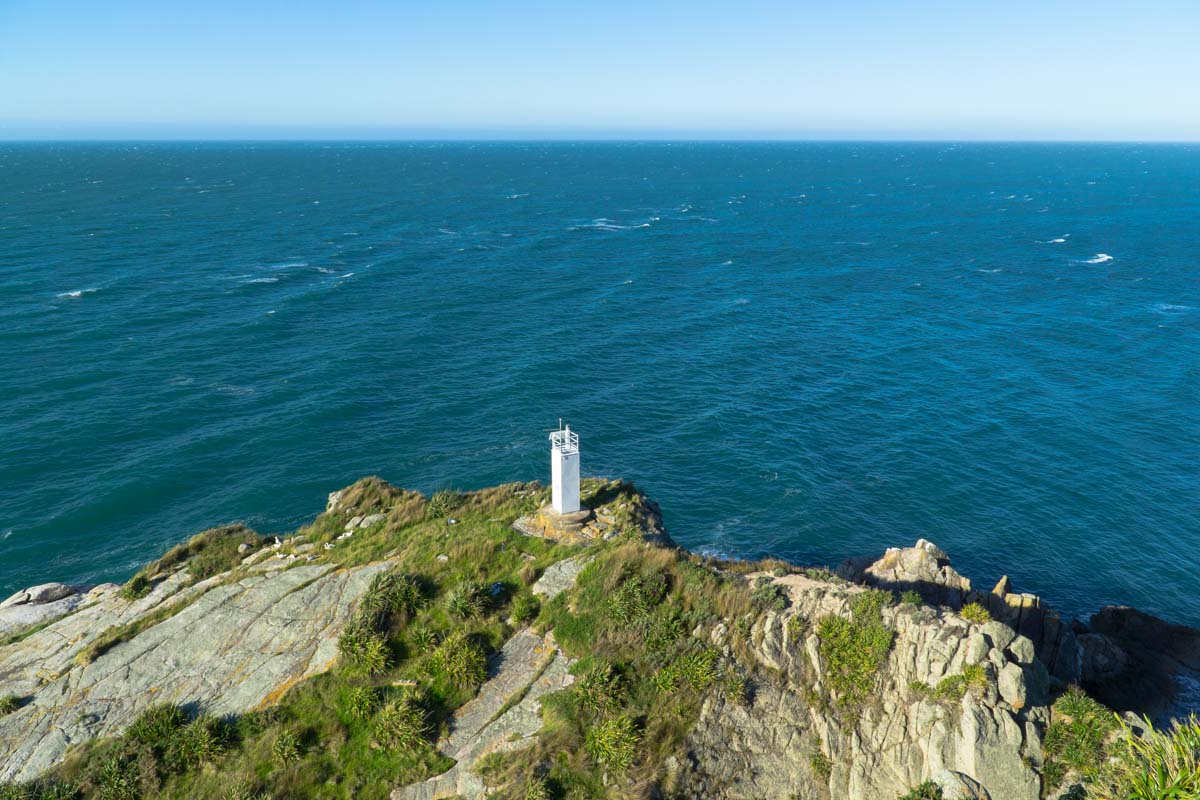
[(648, 672)]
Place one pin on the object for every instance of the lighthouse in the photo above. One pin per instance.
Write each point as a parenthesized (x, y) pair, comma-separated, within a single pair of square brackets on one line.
[(564, 470)]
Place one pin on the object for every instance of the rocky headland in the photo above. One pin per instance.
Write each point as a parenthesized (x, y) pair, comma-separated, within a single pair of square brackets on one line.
[(461, 645)]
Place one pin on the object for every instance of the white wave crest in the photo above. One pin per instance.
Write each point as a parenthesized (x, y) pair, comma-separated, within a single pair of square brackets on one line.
[(77, 293), (262, 280), (1099, 258)]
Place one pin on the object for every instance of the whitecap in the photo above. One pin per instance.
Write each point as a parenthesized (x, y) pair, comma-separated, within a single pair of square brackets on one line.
[(727, 263), (518, 196), (6, 534), (262, 280), (1099, 258), (290, 265), (990, 271), (741, 301), (1171, 308), (347, 275), (231, 389), (77, 293)]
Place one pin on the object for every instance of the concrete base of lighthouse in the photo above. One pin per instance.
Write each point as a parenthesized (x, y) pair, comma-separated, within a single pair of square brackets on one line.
[(549, 524)]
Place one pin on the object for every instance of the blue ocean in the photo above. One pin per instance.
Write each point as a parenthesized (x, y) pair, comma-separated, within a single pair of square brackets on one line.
[(808, 350)]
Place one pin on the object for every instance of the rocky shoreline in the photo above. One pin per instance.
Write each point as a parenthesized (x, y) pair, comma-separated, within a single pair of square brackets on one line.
[(85, 661)]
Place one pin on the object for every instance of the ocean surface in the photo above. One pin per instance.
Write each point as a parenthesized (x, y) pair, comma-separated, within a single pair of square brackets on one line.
[(805, 350)]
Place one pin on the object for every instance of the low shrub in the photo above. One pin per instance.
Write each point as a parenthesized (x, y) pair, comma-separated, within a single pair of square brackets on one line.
[(286, 747), (768, 595), (136, 587), (820, 764), (911, 597), (9, 703), (926, 791)]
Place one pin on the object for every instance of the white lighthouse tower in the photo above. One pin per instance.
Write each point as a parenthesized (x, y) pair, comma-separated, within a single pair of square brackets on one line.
[(564, 471)]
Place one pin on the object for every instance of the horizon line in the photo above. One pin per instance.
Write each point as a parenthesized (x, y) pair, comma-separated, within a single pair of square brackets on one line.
[(571, 140)]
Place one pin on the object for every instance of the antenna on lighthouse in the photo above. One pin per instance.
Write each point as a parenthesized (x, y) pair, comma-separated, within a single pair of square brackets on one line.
[(564, 469)]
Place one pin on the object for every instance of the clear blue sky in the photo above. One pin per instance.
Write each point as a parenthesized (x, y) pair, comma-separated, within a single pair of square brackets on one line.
[(1004, 69)]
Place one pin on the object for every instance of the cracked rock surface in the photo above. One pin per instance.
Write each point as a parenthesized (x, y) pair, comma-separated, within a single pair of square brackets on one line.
[(222, 647)]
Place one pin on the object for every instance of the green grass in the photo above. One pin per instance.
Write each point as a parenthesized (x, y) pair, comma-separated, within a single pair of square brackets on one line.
[(1076, 738), (613, 742), (855, 649), (369, 722), (926, 791), (975, 614), (820, 765), (1156, 765), (973, 678), (9, 703)]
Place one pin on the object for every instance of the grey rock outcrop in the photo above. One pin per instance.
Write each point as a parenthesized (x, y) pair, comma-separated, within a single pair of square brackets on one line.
[(989, 739), (228, 647), (526, 669)]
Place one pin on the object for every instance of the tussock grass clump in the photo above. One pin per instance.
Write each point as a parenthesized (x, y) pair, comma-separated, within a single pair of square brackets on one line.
[(975, 614), (1076, 737), (855, 649), (360, 702), (157, 724), (1155, 765), (973, 678), (636, 597), (525, 608), (364, 648), (400, 725), (442, 503), (468, 600), (911, 597), (8, 704), (537, 789), (201, 741), (458, 661), (613, 742), (599, 689)]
